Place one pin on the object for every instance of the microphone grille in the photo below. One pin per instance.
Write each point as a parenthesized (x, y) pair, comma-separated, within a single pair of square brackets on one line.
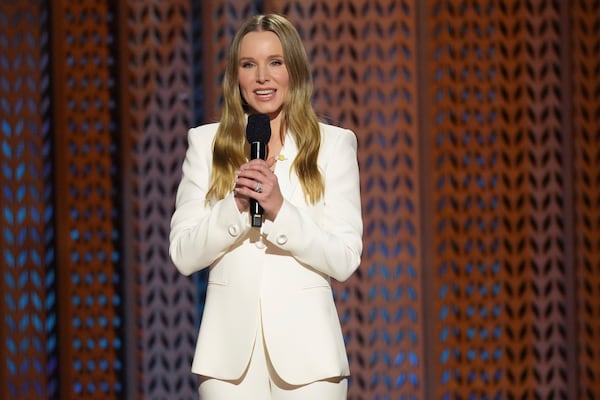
[(258, 128)]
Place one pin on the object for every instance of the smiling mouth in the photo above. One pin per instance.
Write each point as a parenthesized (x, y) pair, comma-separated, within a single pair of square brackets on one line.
[(264, 92)]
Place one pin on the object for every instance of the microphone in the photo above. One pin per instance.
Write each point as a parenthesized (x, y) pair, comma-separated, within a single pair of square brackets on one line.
[(258, 133)]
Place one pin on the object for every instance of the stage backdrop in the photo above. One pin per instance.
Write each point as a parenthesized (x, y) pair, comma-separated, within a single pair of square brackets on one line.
[(479, 148)]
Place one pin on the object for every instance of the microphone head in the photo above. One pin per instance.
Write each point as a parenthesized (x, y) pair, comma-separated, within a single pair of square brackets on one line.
[(258, 128)]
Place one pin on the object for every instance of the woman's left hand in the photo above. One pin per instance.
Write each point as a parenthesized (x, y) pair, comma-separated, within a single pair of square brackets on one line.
[(256, 180)]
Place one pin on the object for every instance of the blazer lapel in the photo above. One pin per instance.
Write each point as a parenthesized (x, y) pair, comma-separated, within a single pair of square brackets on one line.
[(288, 181)]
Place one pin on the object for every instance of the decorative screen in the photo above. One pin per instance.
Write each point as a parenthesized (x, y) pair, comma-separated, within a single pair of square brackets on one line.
[(478, 125)]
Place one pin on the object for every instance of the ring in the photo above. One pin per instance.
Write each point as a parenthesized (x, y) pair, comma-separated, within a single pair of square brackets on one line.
[(258, 187)]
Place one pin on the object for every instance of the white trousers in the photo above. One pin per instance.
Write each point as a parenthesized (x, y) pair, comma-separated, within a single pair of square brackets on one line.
[(261, 382)]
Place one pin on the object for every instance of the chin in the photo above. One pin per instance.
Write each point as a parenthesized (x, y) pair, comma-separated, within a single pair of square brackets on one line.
[(267, 110)]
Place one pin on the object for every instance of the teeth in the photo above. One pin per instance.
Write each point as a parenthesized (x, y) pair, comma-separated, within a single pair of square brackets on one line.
[(264, 91)]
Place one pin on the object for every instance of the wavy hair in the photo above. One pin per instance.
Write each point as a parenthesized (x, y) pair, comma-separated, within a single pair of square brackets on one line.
[(230, 145)]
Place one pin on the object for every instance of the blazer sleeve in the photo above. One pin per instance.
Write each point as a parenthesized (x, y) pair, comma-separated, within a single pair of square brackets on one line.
[(200, 232), (331, 244)]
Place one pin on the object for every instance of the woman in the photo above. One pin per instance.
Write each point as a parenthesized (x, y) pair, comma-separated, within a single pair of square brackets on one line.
[(270, 329)]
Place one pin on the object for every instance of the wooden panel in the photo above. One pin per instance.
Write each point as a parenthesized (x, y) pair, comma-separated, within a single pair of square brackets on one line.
[(500, 202), (86, 202), (28, 328), (468, 273), (156, 98), (363, 56), (478, 127), (220, 21)]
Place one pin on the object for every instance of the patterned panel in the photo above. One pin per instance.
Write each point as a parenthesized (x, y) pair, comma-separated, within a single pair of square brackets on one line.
[(86, 203), (198, 50), (476, 115), (499, 197), (363, 55), (158, 84), (221, 20), (586, 113), (468, 276), (533, 199), (28, 328)]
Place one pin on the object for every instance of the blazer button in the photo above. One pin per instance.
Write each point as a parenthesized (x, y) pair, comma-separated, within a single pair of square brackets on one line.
[(260, 244), (233, 230), (281, 239)]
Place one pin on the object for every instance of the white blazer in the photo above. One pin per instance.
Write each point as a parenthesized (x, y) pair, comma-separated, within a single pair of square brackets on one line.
[(279, 274)]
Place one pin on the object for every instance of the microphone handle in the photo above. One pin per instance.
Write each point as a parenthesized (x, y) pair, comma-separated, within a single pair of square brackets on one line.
[(257, 150)]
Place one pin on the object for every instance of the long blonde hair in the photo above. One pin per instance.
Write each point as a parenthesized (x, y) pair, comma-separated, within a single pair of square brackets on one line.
[(230, 145)]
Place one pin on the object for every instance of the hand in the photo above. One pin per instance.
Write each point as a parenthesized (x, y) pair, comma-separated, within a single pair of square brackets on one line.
[(249, 176)]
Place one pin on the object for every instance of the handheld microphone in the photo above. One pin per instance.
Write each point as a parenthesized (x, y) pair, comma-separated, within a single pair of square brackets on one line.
[(258, 133)]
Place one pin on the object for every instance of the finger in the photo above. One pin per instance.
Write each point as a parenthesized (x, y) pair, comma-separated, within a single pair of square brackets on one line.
[(246, 183), (270, 162), (249, 177), (256, 164)]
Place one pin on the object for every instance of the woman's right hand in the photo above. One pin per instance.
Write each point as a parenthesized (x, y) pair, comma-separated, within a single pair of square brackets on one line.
[(250, 175)]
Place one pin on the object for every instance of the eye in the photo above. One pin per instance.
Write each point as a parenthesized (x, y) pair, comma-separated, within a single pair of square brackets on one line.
[(247, 64), (277, 63)]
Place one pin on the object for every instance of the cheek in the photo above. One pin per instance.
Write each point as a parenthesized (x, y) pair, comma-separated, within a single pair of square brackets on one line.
[(243, 82), (283, 80)]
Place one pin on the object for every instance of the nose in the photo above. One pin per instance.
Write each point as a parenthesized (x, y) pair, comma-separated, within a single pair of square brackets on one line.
[(262, 74)]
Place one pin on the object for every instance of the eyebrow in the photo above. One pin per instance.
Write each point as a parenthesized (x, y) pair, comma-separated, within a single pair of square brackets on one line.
[(269, 57)]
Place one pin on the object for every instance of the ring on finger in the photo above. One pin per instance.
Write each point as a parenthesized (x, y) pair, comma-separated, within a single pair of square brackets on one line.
[(258, 188)]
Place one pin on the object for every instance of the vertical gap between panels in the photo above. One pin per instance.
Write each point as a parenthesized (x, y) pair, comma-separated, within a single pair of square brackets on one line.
[(125, 175), (60, 172), (430, 378), (569, 204)]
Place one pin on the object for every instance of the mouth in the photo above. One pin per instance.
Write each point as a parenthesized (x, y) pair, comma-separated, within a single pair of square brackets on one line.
[(264, 92)]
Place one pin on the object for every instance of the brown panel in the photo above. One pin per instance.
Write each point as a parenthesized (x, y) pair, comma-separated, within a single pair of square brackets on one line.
[(26, 327), (499, 199), (364, 56), (586, 125), (467, 298), (86, 195), (486, 300), (220, 20), (156, 97), (533, 199)]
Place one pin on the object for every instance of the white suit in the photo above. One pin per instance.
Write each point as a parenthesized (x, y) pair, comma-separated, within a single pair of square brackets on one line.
[(279, 274)]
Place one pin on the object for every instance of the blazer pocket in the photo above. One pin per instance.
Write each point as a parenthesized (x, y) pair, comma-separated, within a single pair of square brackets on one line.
[(317, 286)]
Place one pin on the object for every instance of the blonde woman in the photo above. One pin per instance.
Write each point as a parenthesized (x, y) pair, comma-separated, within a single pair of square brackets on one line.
[(270, 329)]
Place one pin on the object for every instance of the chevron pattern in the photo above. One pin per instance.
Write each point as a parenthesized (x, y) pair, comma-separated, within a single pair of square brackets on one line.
[(363, 58), (159, 79), (478, 128), (28, 309)]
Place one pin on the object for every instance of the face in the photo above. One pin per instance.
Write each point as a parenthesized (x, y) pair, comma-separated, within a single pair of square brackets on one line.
[(263, 76)]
